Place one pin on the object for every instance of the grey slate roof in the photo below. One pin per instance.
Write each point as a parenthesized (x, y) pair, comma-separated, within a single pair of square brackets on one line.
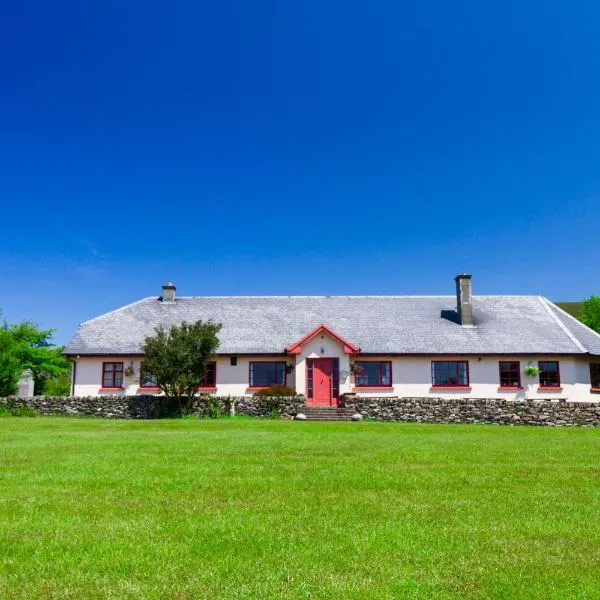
[(377, 324)]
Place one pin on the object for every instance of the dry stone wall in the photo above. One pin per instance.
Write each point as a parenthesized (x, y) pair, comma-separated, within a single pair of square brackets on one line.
[(555, 413), (154, 407)]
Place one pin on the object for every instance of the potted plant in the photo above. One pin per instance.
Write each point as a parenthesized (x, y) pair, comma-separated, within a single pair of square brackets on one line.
[(532, 371)]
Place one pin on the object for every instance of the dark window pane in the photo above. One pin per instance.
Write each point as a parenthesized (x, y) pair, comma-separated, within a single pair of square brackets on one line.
[(549, 374), (266, 374), (450, 373), (373, 373), (510, 375), (595, 375)]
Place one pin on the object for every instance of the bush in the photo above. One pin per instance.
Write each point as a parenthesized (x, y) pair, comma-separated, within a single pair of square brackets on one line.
[(17, 410), (276, 391)]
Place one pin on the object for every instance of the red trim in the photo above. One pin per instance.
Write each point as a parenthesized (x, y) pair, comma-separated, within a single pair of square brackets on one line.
[(148, 389), (110, 389), (595, 390), (510, 387), (296, 347), (450, 387), (207, 389), (549, 388)]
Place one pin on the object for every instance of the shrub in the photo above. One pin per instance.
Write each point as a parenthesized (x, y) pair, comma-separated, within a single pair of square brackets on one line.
[(212, 409), (17, 410), (276, 391)]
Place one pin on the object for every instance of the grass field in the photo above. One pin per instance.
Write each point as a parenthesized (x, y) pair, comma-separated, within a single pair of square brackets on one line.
[(278, 509)]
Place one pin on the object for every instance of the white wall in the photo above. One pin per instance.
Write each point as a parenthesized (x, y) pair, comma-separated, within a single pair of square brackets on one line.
[(232, 380), (411, 375)]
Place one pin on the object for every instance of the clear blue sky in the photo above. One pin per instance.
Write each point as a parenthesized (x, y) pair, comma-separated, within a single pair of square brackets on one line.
[(314, 147)]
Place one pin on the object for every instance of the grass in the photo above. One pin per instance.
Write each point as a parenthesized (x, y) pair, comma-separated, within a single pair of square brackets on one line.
[(273, 509)]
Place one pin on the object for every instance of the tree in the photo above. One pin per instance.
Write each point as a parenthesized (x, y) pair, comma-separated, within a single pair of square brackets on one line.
[(179, 357), (26, 346), (590, 313)]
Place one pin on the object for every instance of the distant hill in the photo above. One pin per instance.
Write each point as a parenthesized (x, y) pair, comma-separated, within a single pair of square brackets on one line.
[(573, 308)]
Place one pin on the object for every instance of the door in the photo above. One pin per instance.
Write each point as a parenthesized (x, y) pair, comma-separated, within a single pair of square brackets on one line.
[(322, 371)]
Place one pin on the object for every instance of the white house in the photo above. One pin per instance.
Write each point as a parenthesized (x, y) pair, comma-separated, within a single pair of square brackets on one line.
[(325, 346)]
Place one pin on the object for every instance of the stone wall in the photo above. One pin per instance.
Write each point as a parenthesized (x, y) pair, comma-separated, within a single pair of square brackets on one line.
[(555, 413), (153, 407)]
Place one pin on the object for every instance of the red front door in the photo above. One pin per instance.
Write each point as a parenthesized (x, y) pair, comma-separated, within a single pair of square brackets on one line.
[(322, 388)]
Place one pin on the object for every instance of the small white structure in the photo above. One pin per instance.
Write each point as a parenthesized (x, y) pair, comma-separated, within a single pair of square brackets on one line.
[(26, 384)]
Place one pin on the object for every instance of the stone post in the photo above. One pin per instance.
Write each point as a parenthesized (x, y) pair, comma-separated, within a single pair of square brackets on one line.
[(25, 385)]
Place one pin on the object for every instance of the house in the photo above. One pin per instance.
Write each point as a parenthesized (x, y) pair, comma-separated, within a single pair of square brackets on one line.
[(509, 347)]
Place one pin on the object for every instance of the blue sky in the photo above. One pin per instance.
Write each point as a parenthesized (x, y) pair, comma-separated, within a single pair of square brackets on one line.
[(315, 147)]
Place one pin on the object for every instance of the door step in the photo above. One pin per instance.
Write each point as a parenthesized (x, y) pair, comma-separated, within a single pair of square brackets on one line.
[(326, 413)]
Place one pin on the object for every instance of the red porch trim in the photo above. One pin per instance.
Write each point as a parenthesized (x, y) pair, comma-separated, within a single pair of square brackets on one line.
[(296, 347)]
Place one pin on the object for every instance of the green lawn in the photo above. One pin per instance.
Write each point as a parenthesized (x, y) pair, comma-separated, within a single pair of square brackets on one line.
[(279, 509)]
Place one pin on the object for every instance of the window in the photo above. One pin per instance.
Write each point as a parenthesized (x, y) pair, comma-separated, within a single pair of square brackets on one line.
[(549, 373), (510, 374), (373, 373), (450, 373), (595, 375), (148, 380), (266, 374), (210, 379), (112, 374)]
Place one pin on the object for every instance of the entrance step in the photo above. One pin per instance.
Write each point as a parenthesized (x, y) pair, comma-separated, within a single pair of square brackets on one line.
[(326, 413)]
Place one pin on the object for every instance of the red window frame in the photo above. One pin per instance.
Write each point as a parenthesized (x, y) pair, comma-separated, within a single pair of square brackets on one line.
[(510, 374), (549, 378), (252, 383), (382, 374), (210, 379), (114, 375), (459, 384), (595, 376)]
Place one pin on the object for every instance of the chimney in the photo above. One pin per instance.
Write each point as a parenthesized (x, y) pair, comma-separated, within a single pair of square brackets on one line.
[(168, 292), (464, 299)]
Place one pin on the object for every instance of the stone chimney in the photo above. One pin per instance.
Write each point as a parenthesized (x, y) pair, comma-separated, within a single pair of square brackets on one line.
[(168, 292), (464, 299)]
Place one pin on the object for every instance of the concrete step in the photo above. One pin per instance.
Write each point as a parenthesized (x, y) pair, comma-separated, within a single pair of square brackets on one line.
[(327, 413)]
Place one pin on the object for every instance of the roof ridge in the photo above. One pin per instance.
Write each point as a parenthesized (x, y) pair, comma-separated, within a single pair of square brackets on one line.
[(572, 318), (110, 312), (546, 303), (360, 296)]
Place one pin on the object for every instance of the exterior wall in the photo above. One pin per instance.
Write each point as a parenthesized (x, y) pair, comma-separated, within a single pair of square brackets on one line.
[(231, 380), (323, 346), (411, 376)]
